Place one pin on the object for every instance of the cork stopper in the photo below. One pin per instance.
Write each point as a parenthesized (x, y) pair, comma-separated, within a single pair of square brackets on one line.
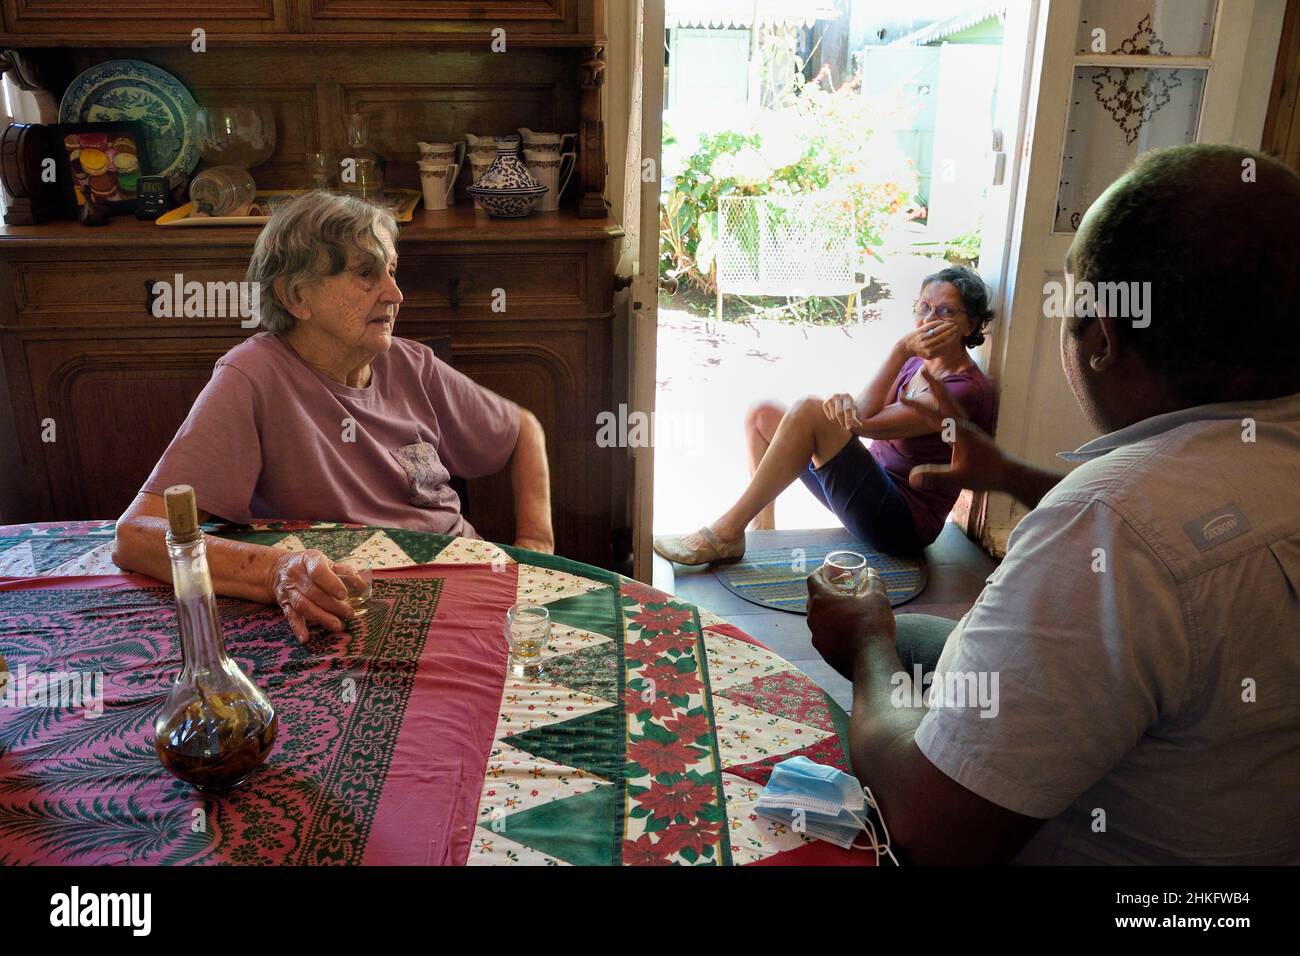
[(182, 513)]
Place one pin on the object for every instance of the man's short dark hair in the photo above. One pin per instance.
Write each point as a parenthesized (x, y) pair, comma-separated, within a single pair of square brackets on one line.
[(974, 299), (1218, 238)]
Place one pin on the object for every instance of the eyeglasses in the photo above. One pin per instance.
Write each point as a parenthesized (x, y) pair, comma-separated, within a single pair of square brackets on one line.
[(923, 310)]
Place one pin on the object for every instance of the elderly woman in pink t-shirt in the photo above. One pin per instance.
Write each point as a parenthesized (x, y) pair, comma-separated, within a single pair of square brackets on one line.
[(327, 416)]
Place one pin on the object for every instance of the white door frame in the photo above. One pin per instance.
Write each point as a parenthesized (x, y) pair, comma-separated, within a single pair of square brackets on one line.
[(1037, 414), (645, 283), (1020, 37), (1012, 124)]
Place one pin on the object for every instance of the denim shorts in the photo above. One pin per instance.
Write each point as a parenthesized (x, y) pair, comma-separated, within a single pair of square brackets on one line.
[(866, 499)]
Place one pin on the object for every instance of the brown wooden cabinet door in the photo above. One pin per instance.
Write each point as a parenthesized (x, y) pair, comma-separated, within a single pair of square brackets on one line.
[(115, 405), (478, 17), (144, 17), (558, 371)]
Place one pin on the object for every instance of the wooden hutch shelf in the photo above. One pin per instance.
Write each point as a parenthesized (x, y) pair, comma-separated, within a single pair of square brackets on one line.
[(82, 347), (480, 39), (460, 224)]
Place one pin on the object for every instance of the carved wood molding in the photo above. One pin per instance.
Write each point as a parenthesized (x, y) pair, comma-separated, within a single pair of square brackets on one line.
[(486, 10), (29, 75), (592, 69), (27, 10), (592, 135), (25, 72), (26, 69), (25, 303), (65, 376), (512, 351), (400, 35)]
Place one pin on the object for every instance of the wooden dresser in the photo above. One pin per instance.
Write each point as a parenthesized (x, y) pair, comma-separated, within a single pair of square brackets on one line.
[(82, 349)]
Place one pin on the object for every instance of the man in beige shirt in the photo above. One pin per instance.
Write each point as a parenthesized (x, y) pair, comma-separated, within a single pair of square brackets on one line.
[(1142, 635)]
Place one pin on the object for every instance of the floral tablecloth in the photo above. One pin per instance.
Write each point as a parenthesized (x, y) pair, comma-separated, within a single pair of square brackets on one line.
[(403, 740)]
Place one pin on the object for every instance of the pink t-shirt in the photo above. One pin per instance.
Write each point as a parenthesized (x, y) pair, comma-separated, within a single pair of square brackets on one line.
[(973, 391), (271, 437)]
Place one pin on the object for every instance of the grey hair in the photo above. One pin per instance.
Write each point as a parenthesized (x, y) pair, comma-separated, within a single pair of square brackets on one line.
[(313, 235)]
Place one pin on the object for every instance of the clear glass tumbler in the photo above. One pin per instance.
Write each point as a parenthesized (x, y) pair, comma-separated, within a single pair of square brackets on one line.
[(846, 571), (528, 631), (357, 576)]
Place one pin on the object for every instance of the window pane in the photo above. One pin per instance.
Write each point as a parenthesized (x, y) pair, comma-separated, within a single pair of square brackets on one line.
[(1116, 115), (1152, 27)]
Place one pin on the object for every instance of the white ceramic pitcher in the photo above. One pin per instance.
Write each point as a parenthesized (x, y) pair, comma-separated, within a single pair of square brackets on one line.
[(439, 183), (442, 152), (550, 169), (545, 142)]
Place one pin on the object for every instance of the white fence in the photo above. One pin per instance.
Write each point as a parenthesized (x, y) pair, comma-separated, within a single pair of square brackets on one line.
[(796, 246)]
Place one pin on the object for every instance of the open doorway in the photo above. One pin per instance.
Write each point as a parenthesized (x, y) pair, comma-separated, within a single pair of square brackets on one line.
[(820, 159)]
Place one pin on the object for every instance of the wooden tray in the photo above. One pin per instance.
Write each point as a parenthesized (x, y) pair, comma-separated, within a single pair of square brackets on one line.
[(403, 202)]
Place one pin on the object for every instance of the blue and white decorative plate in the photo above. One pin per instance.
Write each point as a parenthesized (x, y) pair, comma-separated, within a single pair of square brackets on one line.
[(136, 90)]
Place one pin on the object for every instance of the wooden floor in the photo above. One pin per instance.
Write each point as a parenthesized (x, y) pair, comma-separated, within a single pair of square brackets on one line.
[(957, 566)]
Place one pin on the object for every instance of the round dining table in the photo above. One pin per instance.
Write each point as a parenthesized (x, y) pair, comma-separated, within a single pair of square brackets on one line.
[(645, 739)]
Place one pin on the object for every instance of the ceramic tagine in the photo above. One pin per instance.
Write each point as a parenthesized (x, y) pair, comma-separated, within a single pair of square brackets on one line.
[(506, 189)]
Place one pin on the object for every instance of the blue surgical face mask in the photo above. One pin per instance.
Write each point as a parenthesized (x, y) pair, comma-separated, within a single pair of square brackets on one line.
[(822, 802)]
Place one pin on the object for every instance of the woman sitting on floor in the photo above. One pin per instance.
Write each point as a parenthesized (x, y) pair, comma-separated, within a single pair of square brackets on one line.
[(866, 488)]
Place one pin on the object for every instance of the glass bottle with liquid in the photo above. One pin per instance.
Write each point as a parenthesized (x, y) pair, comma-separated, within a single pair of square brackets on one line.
[(361, 168), (217, 726)]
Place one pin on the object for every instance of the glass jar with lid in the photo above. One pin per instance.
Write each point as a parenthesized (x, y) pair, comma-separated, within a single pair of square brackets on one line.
[(222, 191)]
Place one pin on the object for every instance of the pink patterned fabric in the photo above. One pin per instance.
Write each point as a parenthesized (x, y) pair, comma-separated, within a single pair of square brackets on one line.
[(405, 740), (383, 730)]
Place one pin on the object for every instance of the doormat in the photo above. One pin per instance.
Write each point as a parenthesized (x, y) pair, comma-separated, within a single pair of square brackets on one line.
[(778, 577)]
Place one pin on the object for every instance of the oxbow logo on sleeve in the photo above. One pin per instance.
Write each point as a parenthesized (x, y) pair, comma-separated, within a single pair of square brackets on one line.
[(1216, 526)]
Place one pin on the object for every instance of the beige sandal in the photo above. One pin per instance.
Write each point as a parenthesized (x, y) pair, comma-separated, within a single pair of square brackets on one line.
[(715, 550)]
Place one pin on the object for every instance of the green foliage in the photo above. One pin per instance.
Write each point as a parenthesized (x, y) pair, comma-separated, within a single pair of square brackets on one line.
[(962, 250), (813, 139)]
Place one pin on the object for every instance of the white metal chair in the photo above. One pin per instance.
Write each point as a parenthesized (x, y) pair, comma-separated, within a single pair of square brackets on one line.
[(794, 246)]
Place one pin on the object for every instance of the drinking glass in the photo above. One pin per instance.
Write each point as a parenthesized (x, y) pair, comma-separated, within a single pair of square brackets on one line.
[(528, 630), (846, 571), (357, 576), (242, 136), (321, 169)]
